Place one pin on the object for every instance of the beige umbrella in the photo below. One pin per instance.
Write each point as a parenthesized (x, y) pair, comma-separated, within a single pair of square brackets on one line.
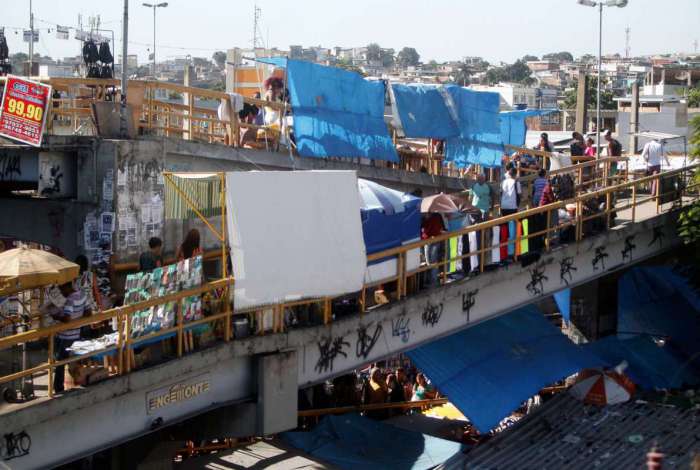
[(441, 203), (26, 268)]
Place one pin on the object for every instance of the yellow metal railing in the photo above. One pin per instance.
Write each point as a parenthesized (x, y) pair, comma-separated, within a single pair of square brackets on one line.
[(122, 316)]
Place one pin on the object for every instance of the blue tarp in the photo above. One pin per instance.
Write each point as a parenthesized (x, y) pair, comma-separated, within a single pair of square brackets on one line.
[(389, 218), (514, 127), (563, 300), (657, 301), (479, 140), (353, 442), (649, 365), (337, 113), (488, 370), (423, 112)]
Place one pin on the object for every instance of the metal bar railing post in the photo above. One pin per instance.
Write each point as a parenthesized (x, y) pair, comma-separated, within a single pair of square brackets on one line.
[(180, 328), (657, 192), (634, 200), (482, 254), (326, 310), (546, 233), (120, 343), (579, 220), (51, 361), (608, 209)]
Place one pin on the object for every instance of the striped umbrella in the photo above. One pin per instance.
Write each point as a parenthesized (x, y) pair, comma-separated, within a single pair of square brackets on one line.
[(599, 387), (376, 196)]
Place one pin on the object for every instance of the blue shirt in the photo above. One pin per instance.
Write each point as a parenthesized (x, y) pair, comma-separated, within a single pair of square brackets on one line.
[(538, 188)]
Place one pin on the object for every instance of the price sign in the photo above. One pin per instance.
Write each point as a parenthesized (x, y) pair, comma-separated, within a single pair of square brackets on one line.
[(23, 110)]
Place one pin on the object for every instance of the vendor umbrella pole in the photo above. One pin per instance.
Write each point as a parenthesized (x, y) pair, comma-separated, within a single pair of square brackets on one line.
[(224, 264), (51, 361)]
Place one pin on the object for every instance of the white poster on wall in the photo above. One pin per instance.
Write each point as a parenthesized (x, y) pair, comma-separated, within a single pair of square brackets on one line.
[(294, 235)]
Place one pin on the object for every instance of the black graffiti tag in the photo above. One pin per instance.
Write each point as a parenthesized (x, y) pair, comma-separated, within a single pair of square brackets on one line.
[(599, 258), (537, 278), (566, 266), (365, 342), (400, 328), (431, 314), (628, 249), (468, 302), (9, 165), (328, 350), (658, 235), (16, 445), (54, 185)]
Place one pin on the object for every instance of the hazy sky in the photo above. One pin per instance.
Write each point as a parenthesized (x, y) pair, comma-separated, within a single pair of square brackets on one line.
[(498, 30)]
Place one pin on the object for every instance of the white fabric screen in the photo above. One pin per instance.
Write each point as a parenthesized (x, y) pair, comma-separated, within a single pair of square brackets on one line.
[(294, 235)]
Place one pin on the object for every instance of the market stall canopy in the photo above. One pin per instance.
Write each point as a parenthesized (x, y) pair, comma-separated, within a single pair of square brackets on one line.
[(27, 268), (442, 203)]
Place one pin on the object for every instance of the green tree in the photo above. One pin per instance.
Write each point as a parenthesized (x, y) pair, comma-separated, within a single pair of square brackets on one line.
[(517, 72), (219, 57), (694, 97), (17, 61), (200, 61), (529, 58), (606, 96), (347, 65), (463, 75), (559, 56), (374, 51), (387, 58), (408, 56)]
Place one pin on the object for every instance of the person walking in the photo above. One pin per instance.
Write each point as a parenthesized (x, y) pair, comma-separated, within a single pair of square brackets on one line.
[(653, 153), (75, 306)]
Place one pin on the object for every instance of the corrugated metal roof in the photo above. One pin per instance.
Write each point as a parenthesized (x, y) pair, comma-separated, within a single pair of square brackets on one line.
[(565, 433)]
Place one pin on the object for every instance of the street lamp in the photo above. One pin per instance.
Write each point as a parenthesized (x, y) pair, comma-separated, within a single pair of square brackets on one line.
[(154, 6), (600, 5)]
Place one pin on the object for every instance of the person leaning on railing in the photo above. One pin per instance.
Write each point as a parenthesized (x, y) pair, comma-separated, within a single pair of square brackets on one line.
[(76, 306)]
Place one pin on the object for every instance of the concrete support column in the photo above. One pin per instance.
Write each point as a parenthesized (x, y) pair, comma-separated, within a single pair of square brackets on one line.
[(582, 103), (278, 385), (634, 118), (187, 100)]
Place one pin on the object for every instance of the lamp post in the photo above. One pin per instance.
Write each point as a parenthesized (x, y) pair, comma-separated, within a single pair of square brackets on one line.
[(154, 6), (600, 5)]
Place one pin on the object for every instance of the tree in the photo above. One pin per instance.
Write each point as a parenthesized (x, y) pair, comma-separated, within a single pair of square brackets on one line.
[(220, 58), (694, 98), (463, 75), (518, 72), (17, 60), (347, 65), (529, 58), (559, 56), (200, 61), (374, 51), (408, 56), (606, 96), (387, 57), (587, 58)]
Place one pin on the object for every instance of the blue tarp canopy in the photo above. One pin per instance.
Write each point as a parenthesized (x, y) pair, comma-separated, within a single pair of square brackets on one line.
[(514, 127), (337, 113), (423, 111), (353, 442), (389, 217), (479, 140), (649, 365), (488, 370), (655, 300)]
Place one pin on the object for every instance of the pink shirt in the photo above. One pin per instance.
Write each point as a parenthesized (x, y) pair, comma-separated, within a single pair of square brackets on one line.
[(590, 151)]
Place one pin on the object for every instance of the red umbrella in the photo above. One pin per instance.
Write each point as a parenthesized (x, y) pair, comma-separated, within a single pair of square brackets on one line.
[(599, 387)]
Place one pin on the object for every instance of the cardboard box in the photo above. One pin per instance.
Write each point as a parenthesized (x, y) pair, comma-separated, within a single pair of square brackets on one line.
[(83, 375)]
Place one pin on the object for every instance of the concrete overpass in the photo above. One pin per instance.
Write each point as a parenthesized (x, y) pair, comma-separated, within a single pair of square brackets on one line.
[(253, 382)]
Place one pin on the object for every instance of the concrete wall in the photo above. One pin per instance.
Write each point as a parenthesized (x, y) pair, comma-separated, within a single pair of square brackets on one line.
[(670, 120)]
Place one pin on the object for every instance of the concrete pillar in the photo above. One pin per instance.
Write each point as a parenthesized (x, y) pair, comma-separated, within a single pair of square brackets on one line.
[(277, 392), (634, 118), (187, 81), (582, 103)]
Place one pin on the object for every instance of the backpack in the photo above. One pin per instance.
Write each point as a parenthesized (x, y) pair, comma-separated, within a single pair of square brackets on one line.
[(90, 52), (105, 54)]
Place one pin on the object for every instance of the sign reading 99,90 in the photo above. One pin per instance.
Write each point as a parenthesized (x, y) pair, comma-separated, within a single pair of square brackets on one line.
[(23, 111)]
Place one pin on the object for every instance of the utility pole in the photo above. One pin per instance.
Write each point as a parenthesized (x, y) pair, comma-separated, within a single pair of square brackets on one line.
[(125, 51), (628, 49), (256, 21), (31, 39)]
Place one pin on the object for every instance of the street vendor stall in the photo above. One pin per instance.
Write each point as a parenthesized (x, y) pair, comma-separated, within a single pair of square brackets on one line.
[(22, 270)]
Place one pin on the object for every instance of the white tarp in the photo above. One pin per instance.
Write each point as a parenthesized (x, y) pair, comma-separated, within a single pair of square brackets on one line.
[(293, 235)]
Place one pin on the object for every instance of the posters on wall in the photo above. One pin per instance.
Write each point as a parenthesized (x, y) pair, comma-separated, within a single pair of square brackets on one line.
[(161, 281), (24, 107)]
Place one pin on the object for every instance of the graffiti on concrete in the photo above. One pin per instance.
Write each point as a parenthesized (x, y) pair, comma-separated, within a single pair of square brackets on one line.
[(400, 328), (329, 349), (566, 268), (9, 166), (431, 314), (54, 185), (599, 259), (537, 279), (658, 236), (365, 342), (628, 248), (468, 302), (16, 445)]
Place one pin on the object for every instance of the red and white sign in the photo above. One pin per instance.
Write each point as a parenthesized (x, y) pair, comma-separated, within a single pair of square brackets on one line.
[(23, 111)]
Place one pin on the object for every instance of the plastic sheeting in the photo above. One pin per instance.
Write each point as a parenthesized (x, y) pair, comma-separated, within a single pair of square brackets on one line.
[(479, 125), (514, 126), (650, 366), (294, 235), (353, 442), (488, 370), (390, 218), (563, 300), (337, 113), (658, 301), (422, 111)]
